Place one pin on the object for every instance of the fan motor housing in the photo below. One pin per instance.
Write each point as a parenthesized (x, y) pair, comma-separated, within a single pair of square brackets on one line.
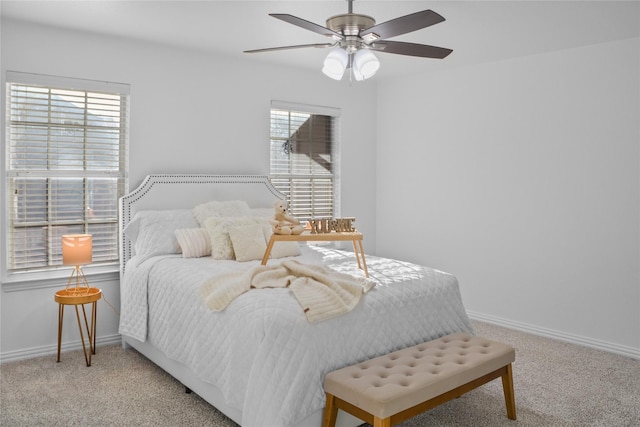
[(350, 24)]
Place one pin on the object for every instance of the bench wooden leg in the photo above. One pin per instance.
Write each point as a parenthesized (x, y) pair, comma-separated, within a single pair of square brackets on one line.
[(509, 395), (381, 422), (330, 411)]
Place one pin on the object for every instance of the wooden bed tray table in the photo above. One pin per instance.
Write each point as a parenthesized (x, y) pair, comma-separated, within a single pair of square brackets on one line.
[(354, 236)]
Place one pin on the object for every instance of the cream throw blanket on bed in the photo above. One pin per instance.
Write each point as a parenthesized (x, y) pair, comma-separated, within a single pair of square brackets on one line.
[(322, 292)]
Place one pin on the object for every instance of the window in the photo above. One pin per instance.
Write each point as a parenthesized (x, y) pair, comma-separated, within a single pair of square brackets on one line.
[(66, 166), (303, 158)]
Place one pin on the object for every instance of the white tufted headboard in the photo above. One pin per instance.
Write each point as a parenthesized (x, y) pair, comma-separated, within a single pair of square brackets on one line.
[(184, 191)]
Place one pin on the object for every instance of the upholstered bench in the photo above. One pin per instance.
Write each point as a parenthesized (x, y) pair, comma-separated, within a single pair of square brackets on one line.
[(392, 388)]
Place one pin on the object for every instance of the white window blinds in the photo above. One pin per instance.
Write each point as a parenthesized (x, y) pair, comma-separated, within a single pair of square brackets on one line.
[(302, 158), (67, 142)]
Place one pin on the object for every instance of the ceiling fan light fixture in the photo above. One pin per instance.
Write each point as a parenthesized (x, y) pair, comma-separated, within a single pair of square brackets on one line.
[(365, 64), (353, 36), (334, 76), (357, 75), (335, 63)]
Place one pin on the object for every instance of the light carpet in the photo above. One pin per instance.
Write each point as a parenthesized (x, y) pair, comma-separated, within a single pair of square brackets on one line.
[(556, 384)]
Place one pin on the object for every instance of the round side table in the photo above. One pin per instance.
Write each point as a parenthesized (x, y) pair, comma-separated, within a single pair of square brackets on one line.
[(79, 297)]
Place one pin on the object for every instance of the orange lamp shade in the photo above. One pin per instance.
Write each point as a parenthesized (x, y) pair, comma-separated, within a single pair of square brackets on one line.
[(76, 249)]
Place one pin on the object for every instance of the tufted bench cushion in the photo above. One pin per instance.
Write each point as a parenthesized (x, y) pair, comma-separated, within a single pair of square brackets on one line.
[(391, 388)]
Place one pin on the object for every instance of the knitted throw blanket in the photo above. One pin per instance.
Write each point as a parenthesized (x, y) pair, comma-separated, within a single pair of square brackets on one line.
[(323, 293)]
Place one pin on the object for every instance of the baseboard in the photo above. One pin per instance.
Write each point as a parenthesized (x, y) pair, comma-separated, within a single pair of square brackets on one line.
[(510, 324), (47, 350), (559, 335)]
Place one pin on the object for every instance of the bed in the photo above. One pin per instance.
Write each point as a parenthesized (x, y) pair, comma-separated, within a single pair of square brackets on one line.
[(260, 360)]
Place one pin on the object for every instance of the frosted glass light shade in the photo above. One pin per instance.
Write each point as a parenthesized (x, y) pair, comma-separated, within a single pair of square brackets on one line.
[(357, 75), (335, 63), (365, 64), (76, 249)]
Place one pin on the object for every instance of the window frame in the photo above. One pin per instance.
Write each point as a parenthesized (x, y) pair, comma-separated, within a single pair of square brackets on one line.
[(43, 276), (333, 112)]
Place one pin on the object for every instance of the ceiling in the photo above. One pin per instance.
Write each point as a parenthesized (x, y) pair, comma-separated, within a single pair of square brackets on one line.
[(477, 31)]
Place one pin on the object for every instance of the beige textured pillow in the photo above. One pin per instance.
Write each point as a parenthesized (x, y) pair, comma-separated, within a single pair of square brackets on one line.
[(194, 242), (248, 241), (218, 228)]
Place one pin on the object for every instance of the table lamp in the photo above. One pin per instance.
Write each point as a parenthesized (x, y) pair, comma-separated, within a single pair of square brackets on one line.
[(77, 251)]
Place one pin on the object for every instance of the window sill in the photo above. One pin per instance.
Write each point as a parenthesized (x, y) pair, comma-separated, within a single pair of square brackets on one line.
[(58, 278)]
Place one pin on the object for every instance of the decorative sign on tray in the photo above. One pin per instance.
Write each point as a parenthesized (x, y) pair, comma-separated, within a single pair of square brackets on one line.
[(327, 225)]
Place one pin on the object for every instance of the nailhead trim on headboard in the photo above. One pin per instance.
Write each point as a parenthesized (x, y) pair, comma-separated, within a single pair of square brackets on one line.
[(156, 183)]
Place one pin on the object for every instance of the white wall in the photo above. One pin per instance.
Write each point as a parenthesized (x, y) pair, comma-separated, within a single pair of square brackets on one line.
[(191, 112), (522, 178)]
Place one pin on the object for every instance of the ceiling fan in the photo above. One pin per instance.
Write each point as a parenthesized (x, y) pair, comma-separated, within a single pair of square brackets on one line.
[(355, 37)]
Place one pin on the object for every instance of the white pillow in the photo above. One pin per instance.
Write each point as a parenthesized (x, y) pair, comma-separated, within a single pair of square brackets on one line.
[(194, 242), (218, 228), (220, 209), (248, 241), (152, 231)]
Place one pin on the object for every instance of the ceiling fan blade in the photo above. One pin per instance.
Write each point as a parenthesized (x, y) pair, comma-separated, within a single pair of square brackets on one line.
[(307, 25), (299, 46), (402, 25), (411, 49)]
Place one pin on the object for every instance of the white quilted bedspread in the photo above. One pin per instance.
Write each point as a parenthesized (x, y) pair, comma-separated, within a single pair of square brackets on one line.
[(261, 352)]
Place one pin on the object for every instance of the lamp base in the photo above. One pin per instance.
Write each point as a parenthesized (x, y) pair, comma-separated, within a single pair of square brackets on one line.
[(81, 285)]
